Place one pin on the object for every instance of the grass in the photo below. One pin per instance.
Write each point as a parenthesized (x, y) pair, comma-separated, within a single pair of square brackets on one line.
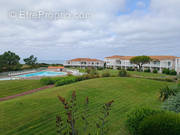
[(136, 73), (12, 87), (35, 113)]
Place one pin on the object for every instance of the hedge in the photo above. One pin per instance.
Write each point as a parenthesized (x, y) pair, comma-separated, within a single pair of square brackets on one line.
[(136, 116), (167, 123)]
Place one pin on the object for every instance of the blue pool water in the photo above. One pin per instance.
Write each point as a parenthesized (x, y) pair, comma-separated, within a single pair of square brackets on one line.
[(43, 73)]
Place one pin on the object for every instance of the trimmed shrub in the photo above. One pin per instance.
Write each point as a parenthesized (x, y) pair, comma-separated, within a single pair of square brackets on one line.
[(106, 74), (100, 68), (66, 80), (155, 71), (136, 116), (165, 71), (160, 124), (172, 103), (122, 73), (94, 72), (163, 79), (147, 70), (118, 68), (173, 72), (130, 69), (47, 81), (166, 92)]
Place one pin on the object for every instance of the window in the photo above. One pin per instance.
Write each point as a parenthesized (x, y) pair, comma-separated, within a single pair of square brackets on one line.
[(118, 61), (156, 62), (169, 63), (92, 62)]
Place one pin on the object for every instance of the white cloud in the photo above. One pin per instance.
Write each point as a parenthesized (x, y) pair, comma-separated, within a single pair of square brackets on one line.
[(105, 33)]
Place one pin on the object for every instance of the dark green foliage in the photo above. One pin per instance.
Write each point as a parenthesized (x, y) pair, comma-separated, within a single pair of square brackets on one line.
[(147, 70), (163, 79), (122, 73), (59, 81), (66, 80), (118, 68), (160, 124), (9, 61), (100, 68), (106, 74), (173, 72), (130, 69), (32, 61), (155, 71), (136, 116), (169, 72), (172, 103), (140, 61), (166, 92), (47, 81), (166, 71)]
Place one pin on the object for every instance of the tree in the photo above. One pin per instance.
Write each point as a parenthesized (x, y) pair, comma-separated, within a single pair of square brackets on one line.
[(10, 61), (1, 63), (32, 61), (140, 61)]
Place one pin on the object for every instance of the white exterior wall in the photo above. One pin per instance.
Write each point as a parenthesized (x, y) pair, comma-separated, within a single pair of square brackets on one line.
[(84, 63), (126, 63), (177, 65)]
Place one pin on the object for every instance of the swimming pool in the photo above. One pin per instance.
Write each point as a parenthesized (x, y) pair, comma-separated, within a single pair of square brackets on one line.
[(43, 73)]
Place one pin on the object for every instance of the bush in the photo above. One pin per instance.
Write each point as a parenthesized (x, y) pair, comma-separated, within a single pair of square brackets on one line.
[(166, 92), (100, 68), (122, 73), (47, 81), (94, 72), (173, 72), (147, 70), (88, 70), (118, 68), (162, 79), (136, 116), (172, 103), (165, 71), (106, 74), (155, 71), (160, 124), (130, 69), (66, 80)]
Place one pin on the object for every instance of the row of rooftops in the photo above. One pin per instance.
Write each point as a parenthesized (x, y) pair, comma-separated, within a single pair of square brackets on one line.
[(126, 58)]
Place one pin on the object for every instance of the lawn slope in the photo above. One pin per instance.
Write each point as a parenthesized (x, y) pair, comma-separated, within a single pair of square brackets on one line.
[(12, 87), (35, 114)]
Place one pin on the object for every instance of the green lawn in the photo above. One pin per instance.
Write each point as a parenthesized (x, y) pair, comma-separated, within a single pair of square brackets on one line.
[(8, 88), (136, 73), (35, 114)]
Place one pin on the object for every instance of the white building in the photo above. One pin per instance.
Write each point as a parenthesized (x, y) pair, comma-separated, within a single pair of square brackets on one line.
[(177, 64), (158, 62), (84, 62)]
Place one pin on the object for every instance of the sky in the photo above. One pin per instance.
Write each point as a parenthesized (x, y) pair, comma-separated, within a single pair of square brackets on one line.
[(66, 29)]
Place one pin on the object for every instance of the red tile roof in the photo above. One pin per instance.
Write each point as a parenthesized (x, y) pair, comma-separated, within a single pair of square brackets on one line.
[(84, 59), (114, 57), (55, 67), (152, 57), (163, 57)]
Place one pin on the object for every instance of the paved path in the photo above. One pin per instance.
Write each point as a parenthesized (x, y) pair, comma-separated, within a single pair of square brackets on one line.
[(26, 93)]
